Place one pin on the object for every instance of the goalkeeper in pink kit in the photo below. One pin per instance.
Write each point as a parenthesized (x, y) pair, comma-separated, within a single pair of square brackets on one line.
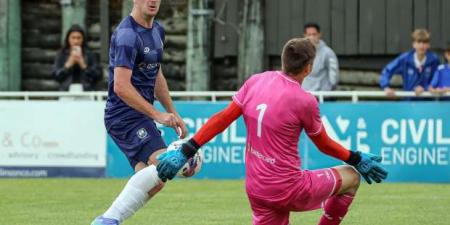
[(276, 109)]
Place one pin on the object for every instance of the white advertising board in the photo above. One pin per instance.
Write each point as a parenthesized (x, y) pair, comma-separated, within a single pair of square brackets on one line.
[(52, 134)]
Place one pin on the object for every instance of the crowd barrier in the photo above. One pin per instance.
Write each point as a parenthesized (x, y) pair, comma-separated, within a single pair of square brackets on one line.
[(213, 96)]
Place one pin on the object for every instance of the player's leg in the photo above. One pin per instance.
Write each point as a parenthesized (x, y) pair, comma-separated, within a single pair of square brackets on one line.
[(144, 183), (350, 179), (336, 206), (263, 213), (157, 188), (133, 196), (153, 161)]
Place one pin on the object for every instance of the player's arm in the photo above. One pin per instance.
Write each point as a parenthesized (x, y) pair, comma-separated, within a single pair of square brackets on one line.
[(128, 93), (162, 92), (215, 125), (328, 146), (163, 96), (172, 161), (366, 164)]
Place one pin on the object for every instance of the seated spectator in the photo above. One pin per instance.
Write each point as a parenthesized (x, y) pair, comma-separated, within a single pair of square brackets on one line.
[(75, 67), (416, 66), (440, 84), (325, 73)]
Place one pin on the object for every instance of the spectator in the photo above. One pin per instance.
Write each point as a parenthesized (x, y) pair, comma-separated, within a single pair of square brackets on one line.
[(416, 66), (75, 67), (325, 73), (440, 84)]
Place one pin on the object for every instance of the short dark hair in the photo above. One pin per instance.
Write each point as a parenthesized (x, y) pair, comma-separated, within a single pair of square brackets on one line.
[(313, 25), (297, 54)]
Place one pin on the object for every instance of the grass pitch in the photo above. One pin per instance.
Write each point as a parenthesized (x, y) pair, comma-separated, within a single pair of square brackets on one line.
[(205, 202)]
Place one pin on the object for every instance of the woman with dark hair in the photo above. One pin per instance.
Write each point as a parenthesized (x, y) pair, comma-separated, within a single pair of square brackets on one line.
[(75, 65)]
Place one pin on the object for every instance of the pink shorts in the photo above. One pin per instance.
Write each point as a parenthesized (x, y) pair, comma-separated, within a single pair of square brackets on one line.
[(316, 187)]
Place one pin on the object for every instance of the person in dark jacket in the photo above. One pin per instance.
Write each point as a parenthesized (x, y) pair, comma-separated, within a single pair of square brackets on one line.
[(74, 64)]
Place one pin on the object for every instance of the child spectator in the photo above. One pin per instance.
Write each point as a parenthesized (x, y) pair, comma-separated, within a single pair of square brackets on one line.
[(416, 66), (440, 84)]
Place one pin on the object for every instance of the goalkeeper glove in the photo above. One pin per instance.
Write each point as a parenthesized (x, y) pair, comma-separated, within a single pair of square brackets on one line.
[(170, 162), (368, 165)]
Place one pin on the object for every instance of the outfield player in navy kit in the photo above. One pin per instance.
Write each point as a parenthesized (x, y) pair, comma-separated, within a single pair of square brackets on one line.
[(135, 77)]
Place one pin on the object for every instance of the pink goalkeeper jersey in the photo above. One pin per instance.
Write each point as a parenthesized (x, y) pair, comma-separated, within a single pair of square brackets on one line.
[(276, 110)]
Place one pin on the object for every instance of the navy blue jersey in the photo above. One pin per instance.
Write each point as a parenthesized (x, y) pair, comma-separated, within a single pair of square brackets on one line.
[(139, 49), (412, 77)]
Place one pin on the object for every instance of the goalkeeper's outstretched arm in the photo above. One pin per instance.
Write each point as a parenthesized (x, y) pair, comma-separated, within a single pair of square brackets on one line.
[(365, 163), (330, 147), (215, 125)]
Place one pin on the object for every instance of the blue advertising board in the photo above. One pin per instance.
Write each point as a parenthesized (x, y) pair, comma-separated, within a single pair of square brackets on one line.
[(412, 137), (223, 155)]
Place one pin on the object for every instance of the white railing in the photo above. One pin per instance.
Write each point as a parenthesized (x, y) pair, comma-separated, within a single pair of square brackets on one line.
[(353, 96), (356, 95)]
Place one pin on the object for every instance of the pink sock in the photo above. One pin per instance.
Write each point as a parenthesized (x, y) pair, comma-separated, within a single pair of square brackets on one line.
[(335, 209)]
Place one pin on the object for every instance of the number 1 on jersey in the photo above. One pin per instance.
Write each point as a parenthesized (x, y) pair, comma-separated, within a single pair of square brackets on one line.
[(262, 109)]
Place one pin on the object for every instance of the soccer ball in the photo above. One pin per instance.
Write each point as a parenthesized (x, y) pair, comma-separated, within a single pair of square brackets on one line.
[(193, 165)]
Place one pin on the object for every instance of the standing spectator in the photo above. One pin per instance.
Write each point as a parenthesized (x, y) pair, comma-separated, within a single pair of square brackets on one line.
[(325, 73), (76, 67), (440, 84), (416, 66)]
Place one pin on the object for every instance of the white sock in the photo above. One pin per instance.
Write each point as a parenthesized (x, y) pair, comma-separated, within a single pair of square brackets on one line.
[(134, 195)]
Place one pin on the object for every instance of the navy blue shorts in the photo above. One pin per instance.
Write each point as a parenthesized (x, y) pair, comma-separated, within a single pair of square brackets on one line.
[(137, 140)]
